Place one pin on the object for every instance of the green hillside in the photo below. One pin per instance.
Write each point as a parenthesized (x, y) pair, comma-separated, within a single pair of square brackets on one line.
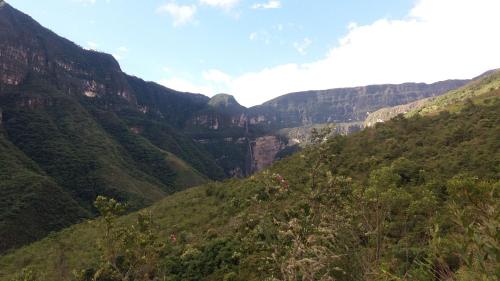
[(31, 203), (74, 126), (481, 91), (82, 152), (411, 199)]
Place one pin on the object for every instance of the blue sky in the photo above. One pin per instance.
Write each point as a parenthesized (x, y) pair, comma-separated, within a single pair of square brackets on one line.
[(259, 49)]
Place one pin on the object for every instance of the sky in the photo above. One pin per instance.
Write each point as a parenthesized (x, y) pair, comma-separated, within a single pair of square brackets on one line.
[(257, 50)]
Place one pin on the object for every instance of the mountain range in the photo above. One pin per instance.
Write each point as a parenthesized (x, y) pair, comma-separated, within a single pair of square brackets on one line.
[(411, 198), (73, 126)]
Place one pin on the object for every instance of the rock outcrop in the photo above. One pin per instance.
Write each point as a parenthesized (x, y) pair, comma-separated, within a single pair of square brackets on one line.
[(388, 113), (264, 150)]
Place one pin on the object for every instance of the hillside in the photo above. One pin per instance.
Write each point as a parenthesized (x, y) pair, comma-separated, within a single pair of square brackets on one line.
[(481, 89), (393, 202), (78, 126), (81, 127), (233, 133)]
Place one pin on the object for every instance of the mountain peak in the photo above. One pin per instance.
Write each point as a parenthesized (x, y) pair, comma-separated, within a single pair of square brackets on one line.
[(224, 101)]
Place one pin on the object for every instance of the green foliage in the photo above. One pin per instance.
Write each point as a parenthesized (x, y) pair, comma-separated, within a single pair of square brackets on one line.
[(59, 153), (128, 252), (475, 211), (27, 275), (411, 199), (31, 204), (482, 91)]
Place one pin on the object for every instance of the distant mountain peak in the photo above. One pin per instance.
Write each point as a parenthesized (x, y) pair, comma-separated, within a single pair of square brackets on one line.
[(224, 101)]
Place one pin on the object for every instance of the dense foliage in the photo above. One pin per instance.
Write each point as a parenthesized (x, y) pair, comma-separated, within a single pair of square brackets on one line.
[(411, 199), (78, 151)]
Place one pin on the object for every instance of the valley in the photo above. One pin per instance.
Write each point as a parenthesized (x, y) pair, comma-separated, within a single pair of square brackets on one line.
[(106, 176)]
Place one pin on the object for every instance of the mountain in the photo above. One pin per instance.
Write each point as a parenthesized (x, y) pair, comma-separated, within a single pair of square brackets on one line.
[(349, 104), (413, 198), (480, 89), (76, 126), (246, 140)]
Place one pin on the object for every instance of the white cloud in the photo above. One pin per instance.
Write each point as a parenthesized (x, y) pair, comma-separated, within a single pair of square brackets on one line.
[(123, 49), (253, 36), (352, 25), (86, 1), (438, 40), (302, 46), (224, 4), (272, 4), (263, 36), (217, 76), (434, 42), (181, 14)]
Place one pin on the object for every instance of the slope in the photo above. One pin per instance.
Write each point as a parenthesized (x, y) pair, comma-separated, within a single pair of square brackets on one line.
[(231, 229), (481, 89), (31, 204), (88, 128)]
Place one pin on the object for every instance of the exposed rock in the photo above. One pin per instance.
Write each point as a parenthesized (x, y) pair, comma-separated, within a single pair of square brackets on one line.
[(343, 105), (264, 151), (388, 113)]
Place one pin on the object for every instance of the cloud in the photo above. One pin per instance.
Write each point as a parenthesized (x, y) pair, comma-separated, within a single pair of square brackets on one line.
[(224, 4), (181, 14), (86, 1), (123, 49), (253, 36), (272, 4), (263, 36), (302, 46), (437, 40), (217, 76)]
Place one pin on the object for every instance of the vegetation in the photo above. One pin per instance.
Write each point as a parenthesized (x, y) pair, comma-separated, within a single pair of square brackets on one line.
[(411, 199), (63, 154), (480, 91)]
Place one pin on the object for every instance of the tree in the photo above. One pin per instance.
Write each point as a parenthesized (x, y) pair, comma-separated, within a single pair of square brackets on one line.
[(130, 253)]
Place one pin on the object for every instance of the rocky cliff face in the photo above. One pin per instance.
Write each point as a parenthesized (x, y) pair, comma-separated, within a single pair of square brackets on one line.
[(296, 113), (346, 104), (264, 150)]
